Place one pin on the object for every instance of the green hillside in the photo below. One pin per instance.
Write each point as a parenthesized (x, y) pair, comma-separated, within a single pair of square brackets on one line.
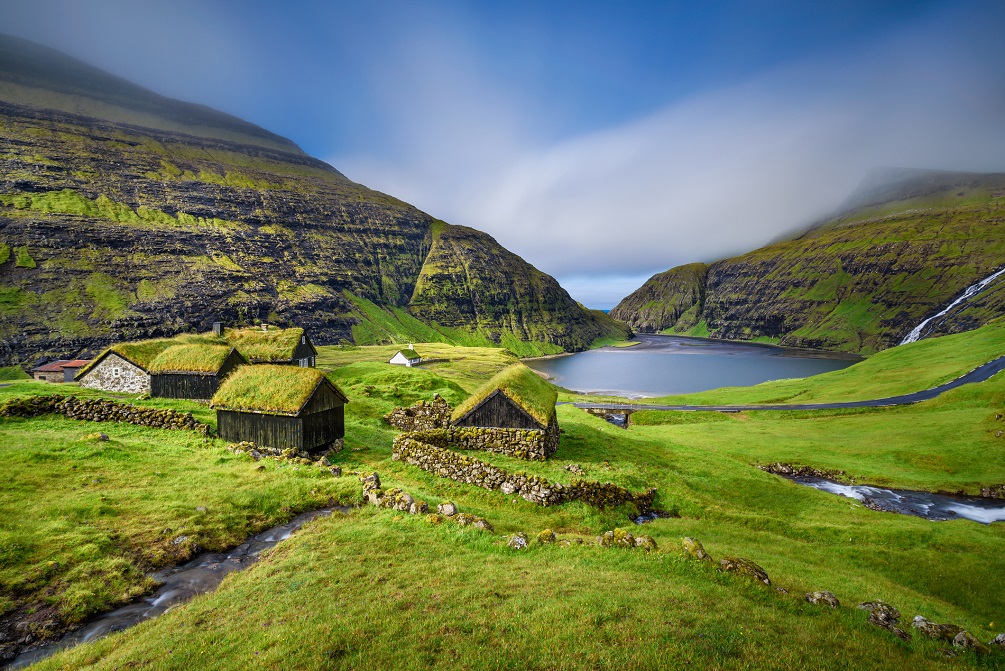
[(421, 591), (116, 227), (859, 281)]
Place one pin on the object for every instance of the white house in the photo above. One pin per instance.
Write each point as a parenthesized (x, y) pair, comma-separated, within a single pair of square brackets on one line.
[(406, 357)]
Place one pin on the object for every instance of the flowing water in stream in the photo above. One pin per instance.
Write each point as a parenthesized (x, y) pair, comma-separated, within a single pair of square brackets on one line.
[(935, 507), (180, 583)]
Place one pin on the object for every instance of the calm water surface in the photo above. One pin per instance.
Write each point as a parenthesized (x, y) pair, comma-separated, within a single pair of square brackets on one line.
[(663, 365)]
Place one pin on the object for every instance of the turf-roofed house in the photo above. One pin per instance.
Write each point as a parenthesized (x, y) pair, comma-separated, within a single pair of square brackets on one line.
[(124, 367), (266, 344), (192, 371), (516, 399), (280, 406)]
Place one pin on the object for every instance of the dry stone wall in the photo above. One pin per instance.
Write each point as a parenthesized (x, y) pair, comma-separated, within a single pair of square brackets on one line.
[(430, 423), (423, 416), (449, 464), (100, 410)]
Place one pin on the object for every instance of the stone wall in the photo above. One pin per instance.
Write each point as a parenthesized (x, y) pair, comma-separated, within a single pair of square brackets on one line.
[(113, 373), (529, 444), (432, 421), (422, 416), (448, 464), (100, 410)]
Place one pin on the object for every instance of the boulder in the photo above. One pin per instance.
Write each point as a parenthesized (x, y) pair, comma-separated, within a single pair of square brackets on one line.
[(336, 471), (647, 543), (418, 508), (884, 616), (941, 632), (999, 641), (434, 518), (464, 519), (968, 641), (483, 524), (823, 599), (447, 508), (546, 536), (744, 567), (617, 538), (695, 549), (370, 482), (517, 541)]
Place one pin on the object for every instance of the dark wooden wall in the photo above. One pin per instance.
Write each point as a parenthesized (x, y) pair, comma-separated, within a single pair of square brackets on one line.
[(499, 411), (306, 432), (179, 385)]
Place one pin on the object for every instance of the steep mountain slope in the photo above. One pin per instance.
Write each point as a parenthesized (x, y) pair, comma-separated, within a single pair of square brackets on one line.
[(907, 243), (112, 231)]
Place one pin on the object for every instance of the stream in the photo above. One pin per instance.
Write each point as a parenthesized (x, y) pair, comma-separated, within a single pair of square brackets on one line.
[(935, 507), (180, 583)]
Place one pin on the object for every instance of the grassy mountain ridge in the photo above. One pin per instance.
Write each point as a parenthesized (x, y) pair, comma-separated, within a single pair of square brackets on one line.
[(32, 74), (861, 280), (112, 231)]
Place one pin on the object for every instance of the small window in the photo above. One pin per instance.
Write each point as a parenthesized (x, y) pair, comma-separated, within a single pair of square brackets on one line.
[(303, 340), (116, 371)]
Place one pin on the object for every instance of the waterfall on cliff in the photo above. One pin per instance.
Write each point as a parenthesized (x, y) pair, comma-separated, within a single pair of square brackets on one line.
[(971, 291)]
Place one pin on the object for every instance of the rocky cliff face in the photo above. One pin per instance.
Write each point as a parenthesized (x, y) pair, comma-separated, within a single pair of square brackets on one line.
[(112, 231), (857, 282)]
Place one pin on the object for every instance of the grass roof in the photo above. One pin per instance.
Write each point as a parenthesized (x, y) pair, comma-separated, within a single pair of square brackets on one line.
[(191, 359), (410, 354), (143, 352), (523, 386), (268, 388), (258, 345)]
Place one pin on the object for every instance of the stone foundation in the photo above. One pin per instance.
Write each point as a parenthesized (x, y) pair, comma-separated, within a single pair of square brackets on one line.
[(460, 468), (529, 444)]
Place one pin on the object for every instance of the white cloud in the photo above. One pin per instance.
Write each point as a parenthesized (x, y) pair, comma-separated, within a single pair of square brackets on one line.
[(718, 174)]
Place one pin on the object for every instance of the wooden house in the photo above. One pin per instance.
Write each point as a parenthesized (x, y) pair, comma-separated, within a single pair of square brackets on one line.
[(280, 406), (406, 357), (192, 371), (288, 347), (63, 370), (516, 398)]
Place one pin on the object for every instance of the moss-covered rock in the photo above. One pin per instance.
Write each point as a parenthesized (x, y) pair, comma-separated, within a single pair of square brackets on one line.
[(823, 599), (744, 567), (695, 549), (647, 543), (929, 629), (546, 536), (517, 541)]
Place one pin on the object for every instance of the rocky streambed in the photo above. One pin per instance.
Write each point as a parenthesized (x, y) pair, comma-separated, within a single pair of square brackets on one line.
[(179, 584)]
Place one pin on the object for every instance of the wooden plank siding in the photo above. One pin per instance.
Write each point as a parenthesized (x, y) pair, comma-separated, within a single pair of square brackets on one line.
[(497, 410), (199, 386), (305, 432)]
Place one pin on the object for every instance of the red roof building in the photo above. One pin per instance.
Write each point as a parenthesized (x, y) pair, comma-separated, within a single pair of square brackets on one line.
[(59, 371)]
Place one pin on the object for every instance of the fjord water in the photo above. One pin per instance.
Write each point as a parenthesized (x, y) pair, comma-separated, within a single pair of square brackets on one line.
[(662, 365)]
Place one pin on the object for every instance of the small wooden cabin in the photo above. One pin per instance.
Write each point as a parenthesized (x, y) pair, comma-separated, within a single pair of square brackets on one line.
[(63, 370), (516, 398), (406, 357), (192, 371), (280, 406), (287, 347)]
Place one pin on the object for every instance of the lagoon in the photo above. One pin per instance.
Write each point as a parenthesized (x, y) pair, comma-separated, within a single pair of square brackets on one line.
[(662, 365)]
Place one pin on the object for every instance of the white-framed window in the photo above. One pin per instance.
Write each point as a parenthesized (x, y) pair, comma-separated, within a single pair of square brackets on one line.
[(116, 371)]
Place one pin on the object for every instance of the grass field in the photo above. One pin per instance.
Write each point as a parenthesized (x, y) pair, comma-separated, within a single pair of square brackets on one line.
[(377, 588)]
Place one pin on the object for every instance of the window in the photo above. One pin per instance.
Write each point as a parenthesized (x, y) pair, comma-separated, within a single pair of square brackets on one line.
[(116, 371)]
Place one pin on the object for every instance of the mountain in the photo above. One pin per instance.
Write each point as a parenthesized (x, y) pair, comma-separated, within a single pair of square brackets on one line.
[(905, 244), (126, 215)]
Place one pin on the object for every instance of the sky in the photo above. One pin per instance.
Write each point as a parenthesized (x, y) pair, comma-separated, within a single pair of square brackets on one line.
[(601, 141)]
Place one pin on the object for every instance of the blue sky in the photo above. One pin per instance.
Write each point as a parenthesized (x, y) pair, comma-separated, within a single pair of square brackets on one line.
[(602, 141)]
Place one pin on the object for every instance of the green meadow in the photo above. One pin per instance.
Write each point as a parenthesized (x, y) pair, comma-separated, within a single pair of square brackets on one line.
[(383, 589)]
